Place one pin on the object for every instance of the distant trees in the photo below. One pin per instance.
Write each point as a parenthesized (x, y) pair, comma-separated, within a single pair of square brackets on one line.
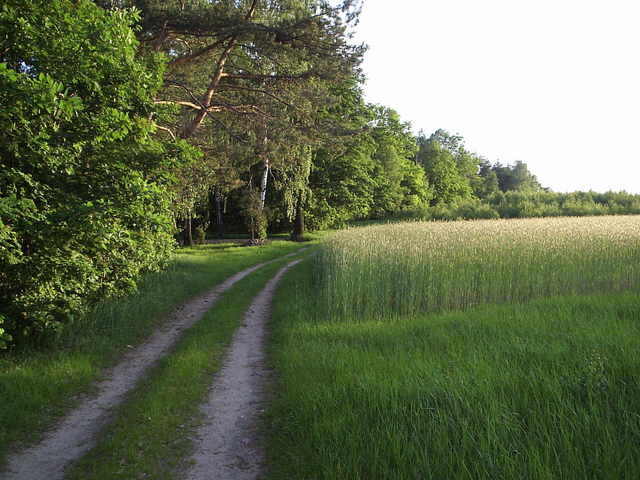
[(516, 177), (448, 167), (487, 182), (368, 169), (399, 184), (455, 174), (524, 204)]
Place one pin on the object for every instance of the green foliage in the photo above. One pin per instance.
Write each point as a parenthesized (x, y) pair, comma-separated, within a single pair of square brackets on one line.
[(5, 338), (516, 177), (462, 210), (398, 184), (529, 204), (82, 205), (341, 180), (255, 215), (262, 70), (486, 183), (200, 235), (371, 175), (341, 187), (523, 204), (446, 174)]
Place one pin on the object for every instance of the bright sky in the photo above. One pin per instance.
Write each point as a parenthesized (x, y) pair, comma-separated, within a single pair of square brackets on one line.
[(554, 83)]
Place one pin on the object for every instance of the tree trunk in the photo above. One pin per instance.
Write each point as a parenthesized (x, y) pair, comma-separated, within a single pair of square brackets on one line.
[(188, 237), (217, 198), (298, 225), (263, 183)]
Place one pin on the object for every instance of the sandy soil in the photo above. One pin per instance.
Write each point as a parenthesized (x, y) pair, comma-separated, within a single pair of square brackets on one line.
[(228, 444), (76, 433)]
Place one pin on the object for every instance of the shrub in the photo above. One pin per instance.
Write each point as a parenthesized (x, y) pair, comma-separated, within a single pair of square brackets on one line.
[(200, 235), (5, 338), (83, 209)]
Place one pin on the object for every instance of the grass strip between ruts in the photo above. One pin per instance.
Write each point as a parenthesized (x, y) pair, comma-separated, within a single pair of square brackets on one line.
[(150, 437), (39, 385)]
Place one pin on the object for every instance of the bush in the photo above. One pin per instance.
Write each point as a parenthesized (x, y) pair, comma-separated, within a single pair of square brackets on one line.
[(463, 210), (83, 207), (255, 216), (472, 210), (5, 338), (200, 235)]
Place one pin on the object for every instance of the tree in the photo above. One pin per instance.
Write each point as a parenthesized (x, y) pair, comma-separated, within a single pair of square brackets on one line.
[(486, 182), (268, 65), (367, 169), (83, 204), (446, 179), (341, 181), (395, 174), (516, 177)]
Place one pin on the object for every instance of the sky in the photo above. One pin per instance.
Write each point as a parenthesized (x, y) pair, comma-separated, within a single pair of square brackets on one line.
[(554, 83)]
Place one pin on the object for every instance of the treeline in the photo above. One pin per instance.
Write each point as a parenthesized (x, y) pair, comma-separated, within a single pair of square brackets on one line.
[(514, 204), (465, 185), (121, 118), (131, 126)]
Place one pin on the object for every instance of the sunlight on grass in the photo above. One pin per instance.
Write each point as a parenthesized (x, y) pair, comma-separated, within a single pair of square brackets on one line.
[(461, 350), (432, 266)]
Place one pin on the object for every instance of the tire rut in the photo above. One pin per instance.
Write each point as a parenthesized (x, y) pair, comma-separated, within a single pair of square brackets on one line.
[(75, 434), (227, 445)]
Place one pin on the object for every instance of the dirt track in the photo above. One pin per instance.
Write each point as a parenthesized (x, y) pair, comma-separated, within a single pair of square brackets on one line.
[(75, 434), (228, 445)]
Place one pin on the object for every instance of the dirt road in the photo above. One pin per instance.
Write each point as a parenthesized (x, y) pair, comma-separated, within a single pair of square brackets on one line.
[(228, 444), (75, 434)]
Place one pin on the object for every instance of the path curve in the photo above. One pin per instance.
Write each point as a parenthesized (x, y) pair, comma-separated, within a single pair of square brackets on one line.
[(75, 434), (227, 444)]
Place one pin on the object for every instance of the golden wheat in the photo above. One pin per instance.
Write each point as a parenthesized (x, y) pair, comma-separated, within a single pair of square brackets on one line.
[(427, 266)]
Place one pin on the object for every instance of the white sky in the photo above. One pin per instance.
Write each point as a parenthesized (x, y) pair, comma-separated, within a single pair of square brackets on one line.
[(554, 83)]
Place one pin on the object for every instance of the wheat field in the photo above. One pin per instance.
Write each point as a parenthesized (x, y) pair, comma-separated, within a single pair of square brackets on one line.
[(417, 267)]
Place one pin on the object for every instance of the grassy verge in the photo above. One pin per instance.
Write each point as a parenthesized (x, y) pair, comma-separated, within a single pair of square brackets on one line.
[(542, 390), (150, 438), (38, 385)]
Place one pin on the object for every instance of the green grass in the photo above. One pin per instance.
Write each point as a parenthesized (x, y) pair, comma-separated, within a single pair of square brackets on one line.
[(150, 438), (546, 389), (37, 385)]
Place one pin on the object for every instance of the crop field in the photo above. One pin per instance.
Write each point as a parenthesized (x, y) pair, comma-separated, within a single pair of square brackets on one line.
[(424, 267), (488, 349)]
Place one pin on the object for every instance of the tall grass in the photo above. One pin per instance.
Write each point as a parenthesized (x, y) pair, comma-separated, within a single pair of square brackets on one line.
[(465, 350), (546, 389), (409, 268)]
